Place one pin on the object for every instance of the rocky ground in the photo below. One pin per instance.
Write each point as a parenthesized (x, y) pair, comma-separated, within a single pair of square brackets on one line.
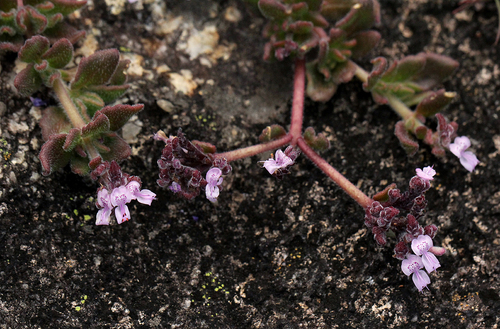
[(290, 254)]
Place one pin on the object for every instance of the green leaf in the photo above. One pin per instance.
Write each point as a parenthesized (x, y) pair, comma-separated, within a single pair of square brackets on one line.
[(33, 49), (30, 21), (28, 81), (120, 75), (207, 148), (98, 125), (118, 115), (54, 121), (317, 142), (60, 54), (272, 9), (365, 42), (52, 156), (272, 132), (119, 148), (97, 69), (435, 103), (109, 93), (407, 142)]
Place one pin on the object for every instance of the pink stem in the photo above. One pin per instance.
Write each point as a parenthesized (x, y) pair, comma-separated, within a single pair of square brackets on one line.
[(298, 100), (254, 149), (20, 4), (362, 199)]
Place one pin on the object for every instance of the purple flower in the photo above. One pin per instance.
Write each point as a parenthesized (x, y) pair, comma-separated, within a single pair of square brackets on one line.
[(104, 202), (119, 199), (412, 265), (175, 187), (38, 102), (426, 174), (280, 161), (420, 247), (467, 158), (213, 180), (144, 196)]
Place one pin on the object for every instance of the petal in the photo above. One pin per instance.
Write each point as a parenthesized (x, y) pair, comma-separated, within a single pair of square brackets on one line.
[(421, 279), (421, 244), (271, 166), (212, 192), (411, 264), (282, 160), (423, 174), (430, 261), (133, 186), (213, 175), (469, 160), (102, 217), (145, 196), (103, 198), (122, 214)]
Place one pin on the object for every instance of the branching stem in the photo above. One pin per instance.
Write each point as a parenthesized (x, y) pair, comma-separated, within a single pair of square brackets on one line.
[(298, 100)]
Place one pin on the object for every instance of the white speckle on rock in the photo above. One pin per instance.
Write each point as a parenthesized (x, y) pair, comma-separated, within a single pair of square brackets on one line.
[(165, 105), (195, 43), (232, 14), (135, 67), (17, 127), (116, 6), (484, 76), (183, 82)]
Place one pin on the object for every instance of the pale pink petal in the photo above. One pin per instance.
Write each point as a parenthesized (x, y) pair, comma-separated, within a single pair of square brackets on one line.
[(421, 244), (421, 279), (469, 160)]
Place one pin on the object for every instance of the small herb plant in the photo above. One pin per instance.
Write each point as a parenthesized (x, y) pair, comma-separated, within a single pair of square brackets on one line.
[(323, 38)]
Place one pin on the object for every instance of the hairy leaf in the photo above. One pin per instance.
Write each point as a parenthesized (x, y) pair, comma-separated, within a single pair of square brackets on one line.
[(97, 69)]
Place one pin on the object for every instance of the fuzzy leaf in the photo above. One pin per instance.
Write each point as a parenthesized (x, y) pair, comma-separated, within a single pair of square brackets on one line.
[(109, 93), (90, 100), (79, 165), (120, 75), (54, 121), (437, 68), (272, 132), (319, 89), (272, 9), (60, 54), (30, 21), (72, 140), (98, 125), (362, 15), (119, 148), (317, 142), (66, 7), (97, 69), (207, 148), (52, 156), (435, 103), (383, 195), (28, 81), (365, 41), (63, 30), (118, 115), (33, 49), (407, 142)]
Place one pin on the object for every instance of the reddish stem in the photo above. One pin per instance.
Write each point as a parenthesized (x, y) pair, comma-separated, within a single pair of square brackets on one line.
[(254, 149), (20, 4), (298, 100), (362, 199)]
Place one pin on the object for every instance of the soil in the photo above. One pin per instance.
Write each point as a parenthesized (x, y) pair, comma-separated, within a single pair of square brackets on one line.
[(272, 254)]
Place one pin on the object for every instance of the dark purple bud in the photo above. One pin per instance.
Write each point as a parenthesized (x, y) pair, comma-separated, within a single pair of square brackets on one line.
[(401, 250), (431, 230)]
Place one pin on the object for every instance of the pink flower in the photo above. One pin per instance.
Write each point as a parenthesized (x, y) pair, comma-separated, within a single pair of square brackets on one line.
[(103, 201), (426, 174), (280, 161), (467, 158), (413, 265), (420, 247), (214, 180), (144, 196), (120, 196)]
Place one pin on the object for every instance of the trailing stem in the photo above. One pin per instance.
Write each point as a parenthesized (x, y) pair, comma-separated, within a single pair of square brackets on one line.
[(362, 199), (298, 100)]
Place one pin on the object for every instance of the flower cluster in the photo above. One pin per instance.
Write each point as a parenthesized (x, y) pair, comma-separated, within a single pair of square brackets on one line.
[(182, 163), (117, 189), (425, 256), (383, 217)]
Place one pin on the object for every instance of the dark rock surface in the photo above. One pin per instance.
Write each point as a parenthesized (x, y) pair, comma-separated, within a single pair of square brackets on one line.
[(290, 254)]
